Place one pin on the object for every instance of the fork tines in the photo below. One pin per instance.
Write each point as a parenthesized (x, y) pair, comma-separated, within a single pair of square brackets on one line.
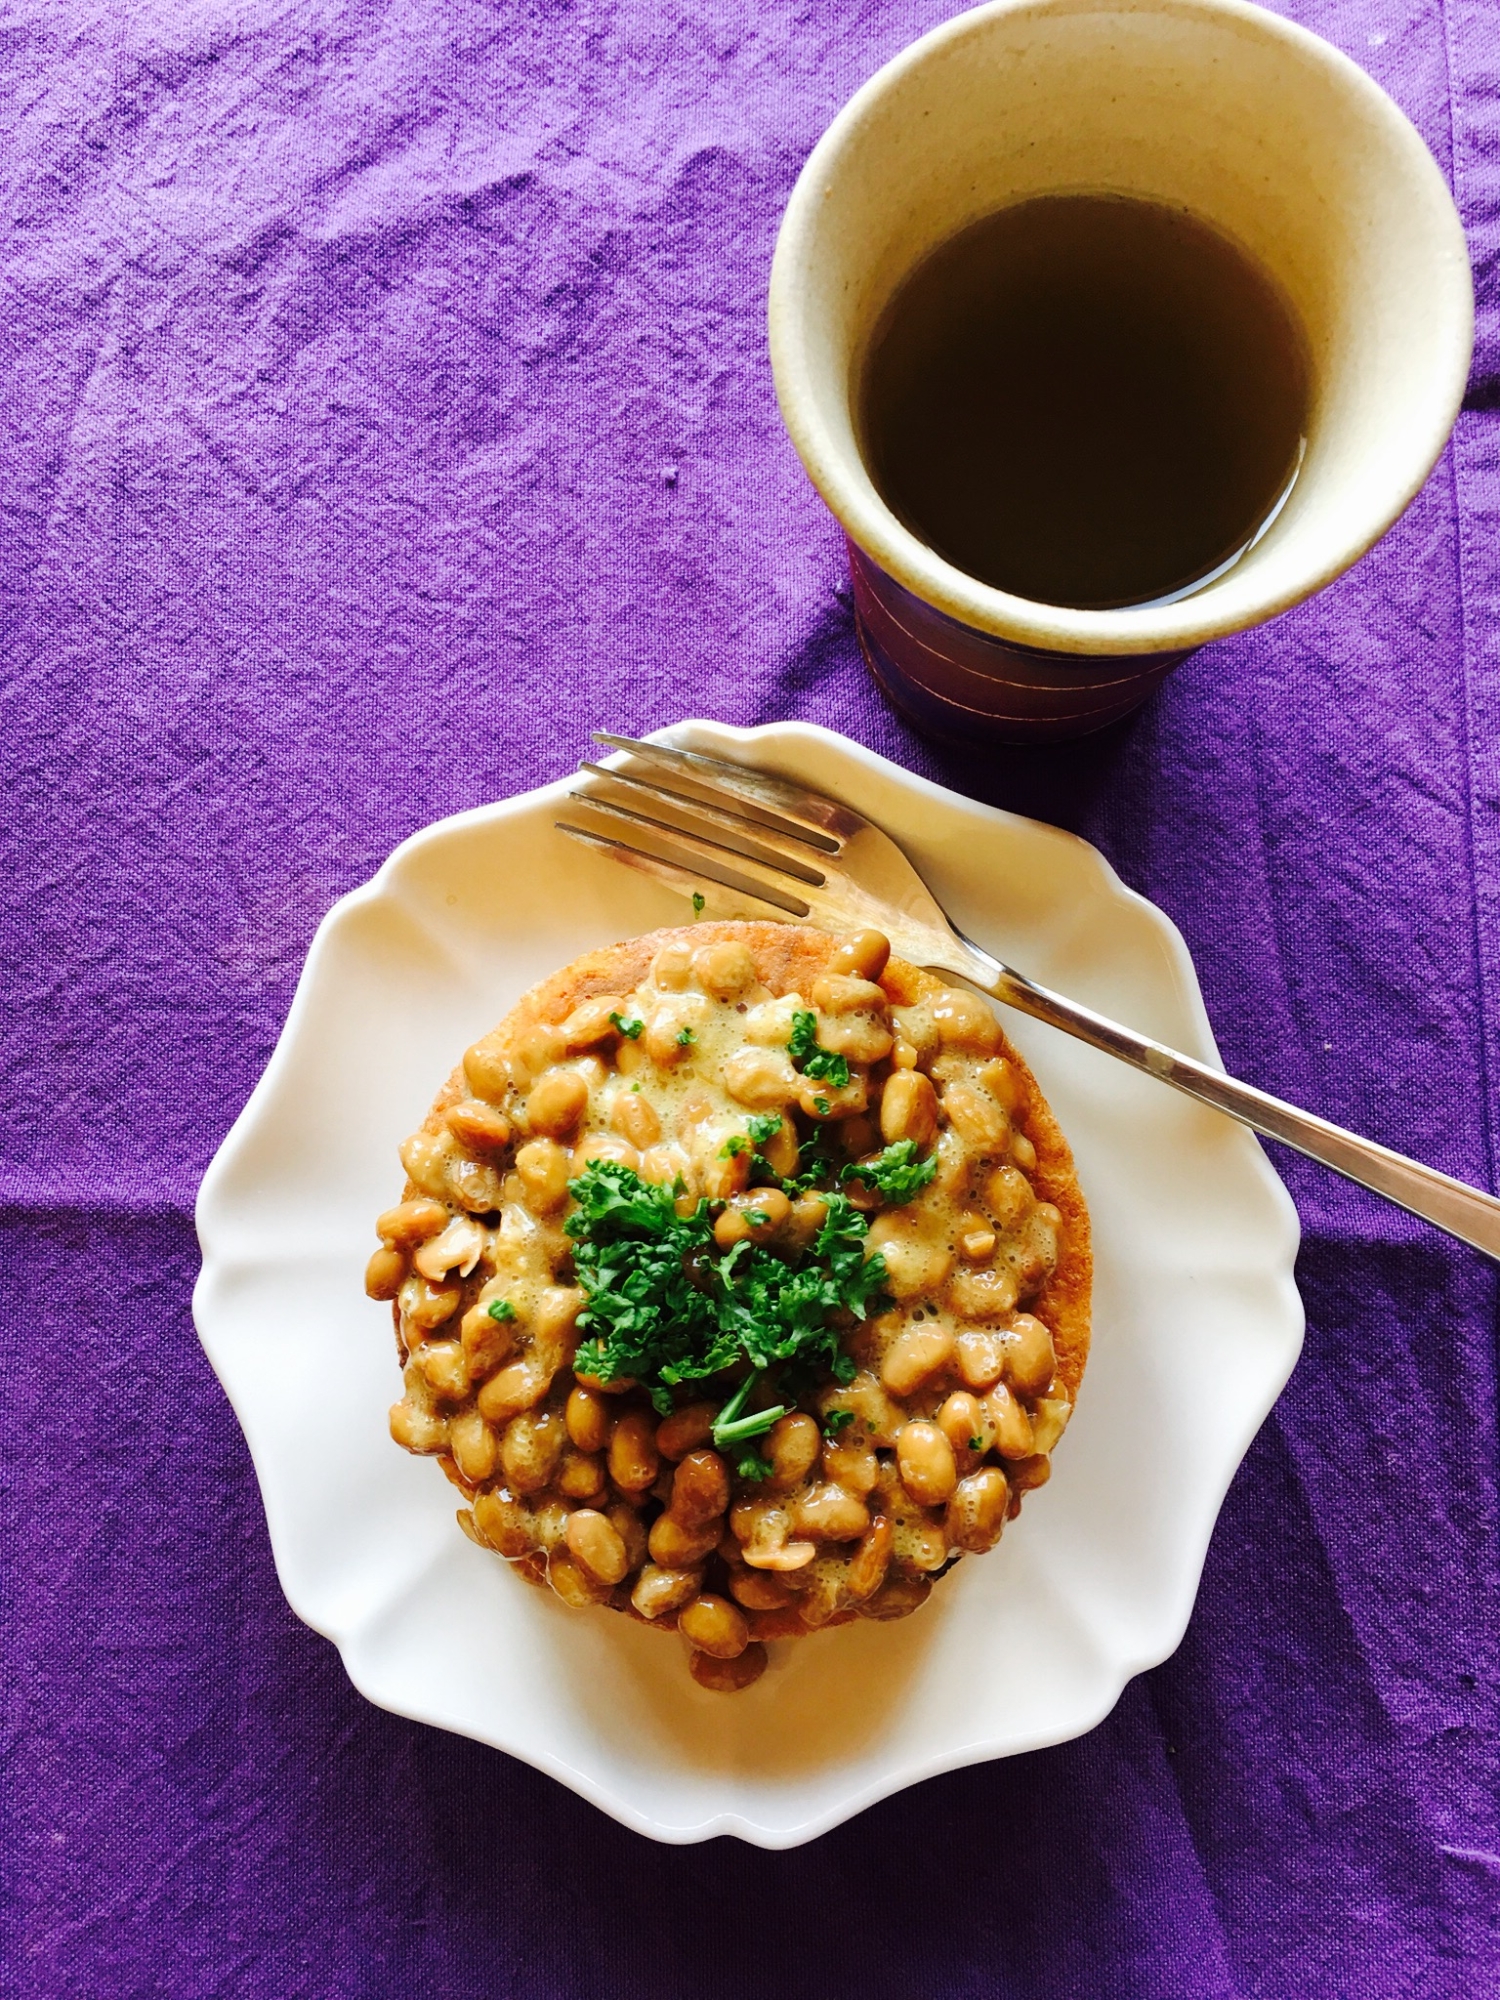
[(775, 802), (738, 835), (681, 871), (755, 835)]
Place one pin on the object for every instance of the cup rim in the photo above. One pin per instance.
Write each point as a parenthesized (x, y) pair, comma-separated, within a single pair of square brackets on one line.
[(1193, 621)]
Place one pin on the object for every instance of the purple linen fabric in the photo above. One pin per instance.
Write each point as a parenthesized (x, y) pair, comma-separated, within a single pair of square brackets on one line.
[(386, 402)]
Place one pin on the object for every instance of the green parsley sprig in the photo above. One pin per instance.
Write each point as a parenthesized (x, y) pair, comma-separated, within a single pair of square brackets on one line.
[(899, 1174), (815, 1165), (731, 1427), (665, 1307), (817, 1064)]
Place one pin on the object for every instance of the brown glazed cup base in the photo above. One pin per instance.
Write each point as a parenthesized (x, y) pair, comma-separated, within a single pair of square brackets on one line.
[(954, 682)]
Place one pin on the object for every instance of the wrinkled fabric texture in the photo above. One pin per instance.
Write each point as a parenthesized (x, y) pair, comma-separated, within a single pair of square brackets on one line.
[(386, 403)]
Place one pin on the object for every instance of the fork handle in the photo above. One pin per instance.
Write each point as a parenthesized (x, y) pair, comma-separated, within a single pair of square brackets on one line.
[(1463, 1211)]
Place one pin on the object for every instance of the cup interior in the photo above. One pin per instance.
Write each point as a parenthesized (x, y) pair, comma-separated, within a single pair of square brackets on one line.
[(1255, 126)]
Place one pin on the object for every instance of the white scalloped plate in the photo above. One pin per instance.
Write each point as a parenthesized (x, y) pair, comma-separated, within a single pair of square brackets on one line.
[(1197, 1325)]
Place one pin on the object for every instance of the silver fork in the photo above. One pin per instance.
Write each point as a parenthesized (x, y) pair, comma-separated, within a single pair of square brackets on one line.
[(802, 856)]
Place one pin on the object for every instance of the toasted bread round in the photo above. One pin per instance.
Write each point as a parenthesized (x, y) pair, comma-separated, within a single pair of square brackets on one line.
[(655, 1057)]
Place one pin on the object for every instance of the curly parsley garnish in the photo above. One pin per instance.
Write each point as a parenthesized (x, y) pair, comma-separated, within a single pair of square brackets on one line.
[(666, 1306), (685, 1038), (501, 1310), (898, 1174), (835, 1422), (762, 1129), (818, 1064), (815, 1165), (731, 1427), (630, 1029)]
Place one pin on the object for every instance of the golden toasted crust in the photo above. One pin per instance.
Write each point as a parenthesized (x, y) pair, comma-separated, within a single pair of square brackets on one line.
[(788, 958)]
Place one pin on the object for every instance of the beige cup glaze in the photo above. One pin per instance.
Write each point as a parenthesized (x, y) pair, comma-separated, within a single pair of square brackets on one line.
[(1251, 123)]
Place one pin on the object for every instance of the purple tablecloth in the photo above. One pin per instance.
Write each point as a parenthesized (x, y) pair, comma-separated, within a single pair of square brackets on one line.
[(386, 402)]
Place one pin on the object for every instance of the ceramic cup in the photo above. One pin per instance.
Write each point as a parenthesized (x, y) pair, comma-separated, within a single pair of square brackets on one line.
[(1249, 122)]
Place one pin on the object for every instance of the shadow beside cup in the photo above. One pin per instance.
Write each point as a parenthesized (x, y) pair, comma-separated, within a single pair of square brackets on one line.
[(1259, 129)]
